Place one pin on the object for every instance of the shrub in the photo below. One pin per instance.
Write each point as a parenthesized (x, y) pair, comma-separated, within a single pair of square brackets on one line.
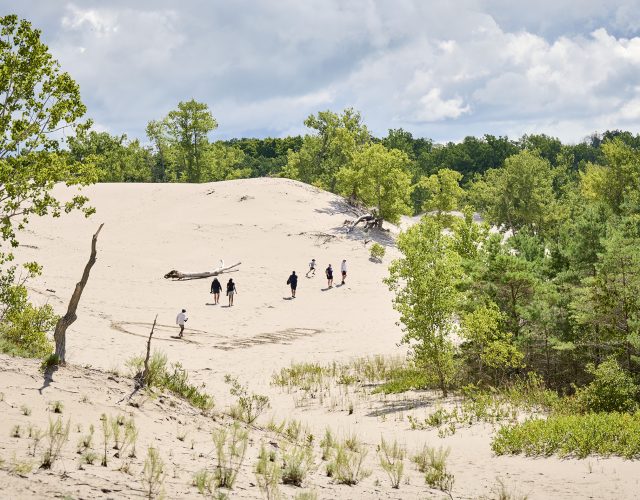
[(230, 449), (433, 463), (153, 474), (268, 474), (89, 457), (26, 411), (572, 435), (612, 389), (249, 406), (57, 435), (24, 329), (174, 379), (346, 462), (377, 252), (203, 480), (298, 461), (392, 461)]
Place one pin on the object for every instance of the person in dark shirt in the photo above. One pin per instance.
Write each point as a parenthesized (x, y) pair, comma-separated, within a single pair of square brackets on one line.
[(293, 283), (329, 273), (231, 291), (216, 287)]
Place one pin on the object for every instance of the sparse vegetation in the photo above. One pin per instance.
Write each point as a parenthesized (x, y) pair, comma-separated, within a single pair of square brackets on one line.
[(297, 463), (56, 406), (25, 410), (346, 460), (106, 438), (174, 379), (57, 435), (89, 457), (433, 463), (392, 461), (268, 473), (249, 406), (153, 474), (16, 431), (230, 449)]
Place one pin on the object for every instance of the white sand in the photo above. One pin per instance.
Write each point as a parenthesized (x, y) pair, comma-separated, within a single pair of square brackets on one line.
[(151, 229)]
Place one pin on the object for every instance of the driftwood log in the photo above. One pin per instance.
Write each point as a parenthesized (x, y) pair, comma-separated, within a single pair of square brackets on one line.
[(177, 275), (369, 220), (60, 333)]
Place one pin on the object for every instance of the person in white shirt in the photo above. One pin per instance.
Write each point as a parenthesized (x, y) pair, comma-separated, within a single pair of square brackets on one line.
[(181, 319), (312, 268), (343, 268)]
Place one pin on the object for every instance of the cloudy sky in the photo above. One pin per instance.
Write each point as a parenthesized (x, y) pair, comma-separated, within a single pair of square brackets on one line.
[(440, 69)]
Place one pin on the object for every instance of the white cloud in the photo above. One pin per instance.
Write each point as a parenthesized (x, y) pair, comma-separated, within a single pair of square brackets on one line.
[(440, 69)]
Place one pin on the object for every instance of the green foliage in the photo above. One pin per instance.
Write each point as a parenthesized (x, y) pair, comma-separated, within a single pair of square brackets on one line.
[(346, 460), (612, 389), (442, 191), (425, 282), (519, 195), (230, 449), (268, 473), (249, 406), (175, 379), (153, 473), (378, 178), (24, 330), (376, 252), (392, 461), (602, 434), (57, 436), (433, 463), (331, 146), (297, 463)]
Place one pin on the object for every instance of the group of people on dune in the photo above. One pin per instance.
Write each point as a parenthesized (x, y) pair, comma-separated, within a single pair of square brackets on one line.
[(292, 281)]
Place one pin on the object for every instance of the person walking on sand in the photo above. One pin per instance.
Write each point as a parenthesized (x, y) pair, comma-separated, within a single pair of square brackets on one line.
[(216, 287), (312, 268), (329, 273), (343, 268), (231, 291), (181, 319), (293, 283)]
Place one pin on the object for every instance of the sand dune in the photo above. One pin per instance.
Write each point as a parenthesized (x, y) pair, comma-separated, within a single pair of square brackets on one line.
[(272, 226)]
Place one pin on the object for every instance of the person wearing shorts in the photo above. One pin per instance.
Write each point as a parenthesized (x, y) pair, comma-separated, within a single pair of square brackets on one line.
[(293, 283), (343, 268), (216, 288), (312, 268), (329, 273)]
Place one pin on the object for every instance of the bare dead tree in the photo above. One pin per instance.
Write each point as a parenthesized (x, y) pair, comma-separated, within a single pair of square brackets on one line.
[(60, 334), (145, 374)]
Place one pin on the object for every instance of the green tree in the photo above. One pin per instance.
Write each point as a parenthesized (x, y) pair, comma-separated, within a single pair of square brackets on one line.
[(442, 191), (379, 178), (519, 195), (188, 127), (37, 99), (425, 282), (332, 145)]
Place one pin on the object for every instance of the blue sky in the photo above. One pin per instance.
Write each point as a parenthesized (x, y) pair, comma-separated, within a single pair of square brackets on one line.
[(440, 69)]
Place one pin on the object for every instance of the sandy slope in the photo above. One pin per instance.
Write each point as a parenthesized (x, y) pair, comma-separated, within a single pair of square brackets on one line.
[(272, 226)]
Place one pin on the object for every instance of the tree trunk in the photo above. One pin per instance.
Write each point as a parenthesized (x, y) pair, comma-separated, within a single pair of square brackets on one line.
[(60, 334)]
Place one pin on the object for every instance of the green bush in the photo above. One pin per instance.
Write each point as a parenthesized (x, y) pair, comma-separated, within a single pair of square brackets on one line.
[(612, 389), (572, 435), (376, 252), (23, 331), (174, 379)]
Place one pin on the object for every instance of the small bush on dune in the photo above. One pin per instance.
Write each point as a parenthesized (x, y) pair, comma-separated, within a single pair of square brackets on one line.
[(153, 474), (23, 331), (268, 473), (612, 389), (376, 252), (572, 435), (392, 461), (346, 460), (298, 462), (249, 406), (58, 435), (175, 379), (433, 463), (230, 449)]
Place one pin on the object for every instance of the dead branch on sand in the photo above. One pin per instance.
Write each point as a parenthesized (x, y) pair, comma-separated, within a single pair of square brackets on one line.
[(178, 276)]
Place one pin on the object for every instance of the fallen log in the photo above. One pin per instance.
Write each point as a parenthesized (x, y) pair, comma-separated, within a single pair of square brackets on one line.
[(178, 276)]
